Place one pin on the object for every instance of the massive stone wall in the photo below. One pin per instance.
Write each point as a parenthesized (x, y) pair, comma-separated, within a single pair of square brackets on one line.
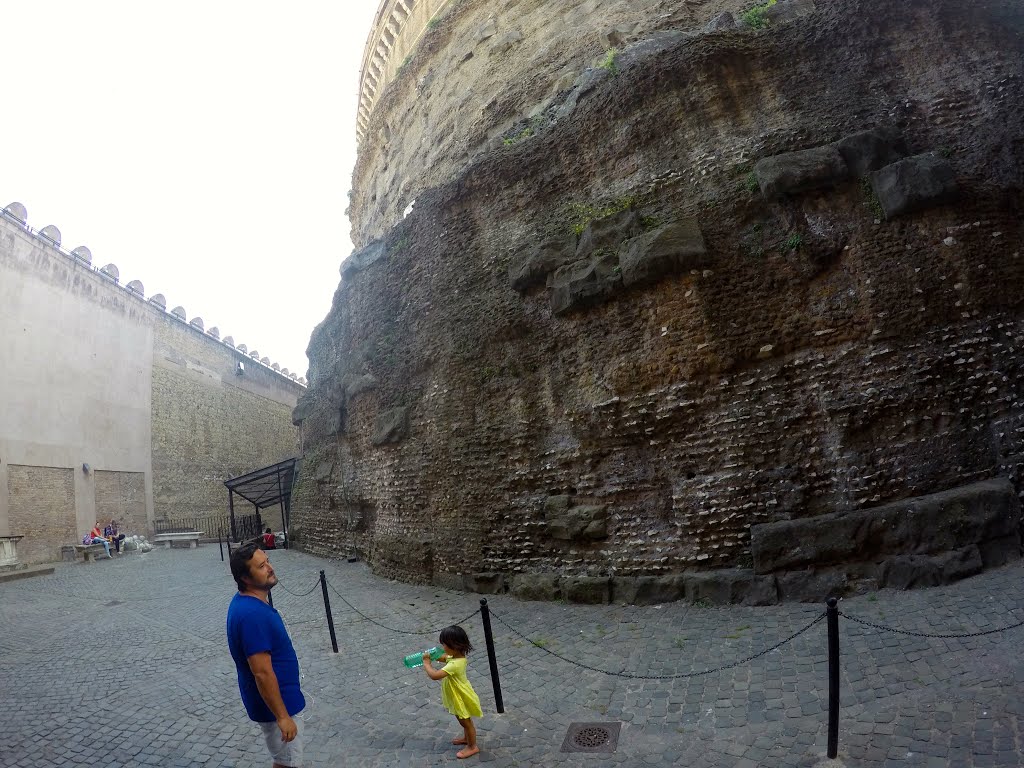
[(612, 347), (114, 407)]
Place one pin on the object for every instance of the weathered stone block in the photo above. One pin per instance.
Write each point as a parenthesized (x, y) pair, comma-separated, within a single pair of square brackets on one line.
[(583, 523), (302, 408), (536, 586), (719, 587), (722, 21), (357, 385), (590, 590), (763, 590), (910, 571), (1000, 551), (607, 233), (913, 184), (361, 259), (795, 172), (554, 505), (647, 590), (810, 586), (673, 248), (533, 267), (940, 522), (584, 283), (484, 583), (870, 150), (391, 427)]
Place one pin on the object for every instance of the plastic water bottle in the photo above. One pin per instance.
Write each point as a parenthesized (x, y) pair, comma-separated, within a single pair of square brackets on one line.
[(416, 659)]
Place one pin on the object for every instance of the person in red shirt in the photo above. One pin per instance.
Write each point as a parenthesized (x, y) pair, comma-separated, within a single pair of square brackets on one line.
[(269, 542)]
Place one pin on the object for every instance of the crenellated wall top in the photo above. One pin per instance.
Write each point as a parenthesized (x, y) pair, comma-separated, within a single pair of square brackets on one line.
[(49, 236)]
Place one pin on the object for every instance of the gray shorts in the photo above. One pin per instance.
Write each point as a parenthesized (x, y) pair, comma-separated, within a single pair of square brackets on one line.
[(289, 754)]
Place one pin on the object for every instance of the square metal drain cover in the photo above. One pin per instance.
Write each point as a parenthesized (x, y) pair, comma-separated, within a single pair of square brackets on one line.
[(591, 737)]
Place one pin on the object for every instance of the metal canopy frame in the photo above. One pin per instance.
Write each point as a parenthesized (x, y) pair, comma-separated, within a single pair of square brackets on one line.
[(264, 488)]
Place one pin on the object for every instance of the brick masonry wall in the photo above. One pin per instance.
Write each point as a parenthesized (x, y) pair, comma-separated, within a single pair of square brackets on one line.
[(42, 509), (121, 496)]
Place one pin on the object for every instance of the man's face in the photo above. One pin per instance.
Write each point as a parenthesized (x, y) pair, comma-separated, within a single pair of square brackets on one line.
[(261, 572)]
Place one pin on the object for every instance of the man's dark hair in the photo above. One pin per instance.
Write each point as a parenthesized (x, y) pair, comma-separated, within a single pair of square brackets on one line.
[(268, 529), (455, 637), (240, 563)]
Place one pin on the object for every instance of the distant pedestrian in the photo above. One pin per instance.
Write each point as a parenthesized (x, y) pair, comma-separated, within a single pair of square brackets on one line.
[(457, 695), (269, 542), (268, 670), (95, 536), (110, 533)]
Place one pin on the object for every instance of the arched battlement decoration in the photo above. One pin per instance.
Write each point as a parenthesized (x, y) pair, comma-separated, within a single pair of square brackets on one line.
[(82, 254), (302, 380), (243, 349), (276, 367), (157, 299), (397, 29), (179, 312), (196, 322), (111, 271), (50, 233), (293, 376), (285, 372), (17, 212), (265, 360), (254, 355), (135, 286), (229, 341), (214, 331)]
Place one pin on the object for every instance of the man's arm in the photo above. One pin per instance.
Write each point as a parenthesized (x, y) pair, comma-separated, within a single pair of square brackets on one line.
[(266, 682)]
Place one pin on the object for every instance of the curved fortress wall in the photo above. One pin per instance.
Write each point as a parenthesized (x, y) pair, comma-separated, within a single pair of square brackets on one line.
[(94, 374), (644, 340)]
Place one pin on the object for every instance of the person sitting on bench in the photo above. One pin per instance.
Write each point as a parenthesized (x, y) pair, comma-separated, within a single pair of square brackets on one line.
[(95, 537), (111, 534), (269, 542)]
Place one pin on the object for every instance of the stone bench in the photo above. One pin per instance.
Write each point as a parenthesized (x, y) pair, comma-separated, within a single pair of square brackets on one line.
[(192, 537), (90, 551)]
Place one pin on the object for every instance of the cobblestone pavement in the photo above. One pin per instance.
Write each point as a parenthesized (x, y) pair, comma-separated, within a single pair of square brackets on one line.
[(124, 663)]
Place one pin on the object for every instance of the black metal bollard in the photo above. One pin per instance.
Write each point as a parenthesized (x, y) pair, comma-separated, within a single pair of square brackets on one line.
[(832, 617), (327, 607), (220, 543), (228, 539), (485, 614)]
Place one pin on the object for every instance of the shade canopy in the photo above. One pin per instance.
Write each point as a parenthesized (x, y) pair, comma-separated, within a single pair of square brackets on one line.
[(267, 486)]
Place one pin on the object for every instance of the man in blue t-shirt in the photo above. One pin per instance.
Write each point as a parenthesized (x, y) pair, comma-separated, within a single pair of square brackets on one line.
[(268, 671)]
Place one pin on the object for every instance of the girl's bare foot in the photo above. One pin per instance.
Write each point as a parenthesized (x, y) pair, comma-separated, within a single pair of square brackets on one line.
[(460, 741), (467, 752)]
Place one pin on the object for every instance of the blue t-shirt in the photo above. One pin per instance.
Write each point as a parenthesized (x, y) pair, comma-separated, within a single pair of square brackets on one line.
[(255, 627)]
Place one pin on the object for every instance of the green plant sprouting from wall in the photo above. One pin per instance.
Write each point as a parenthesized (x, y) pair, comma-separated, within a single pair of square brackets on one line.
[(794, 241), (871, 199), (526, 133), (757, 17), (581, 214), (434, 23), (611, 61)]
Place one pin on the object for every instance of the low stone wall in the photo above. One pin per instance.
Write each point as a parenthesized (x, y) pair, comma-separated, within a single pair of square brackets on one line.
[(921, 542)]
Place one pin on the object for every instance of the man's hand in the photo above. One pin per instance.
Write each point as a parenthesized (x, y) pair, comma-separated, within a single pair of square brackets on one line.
[(289, 730), (426, 659)]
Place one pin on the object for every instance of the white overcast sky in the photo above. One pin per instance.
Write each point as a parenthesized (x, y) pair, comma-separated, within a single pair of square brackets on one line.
[(205, 147)]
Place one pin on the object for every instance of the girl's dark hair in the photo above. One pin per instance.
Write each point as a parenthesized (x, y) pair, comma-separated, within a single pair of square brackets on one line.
[(240, 563), (456, 638)]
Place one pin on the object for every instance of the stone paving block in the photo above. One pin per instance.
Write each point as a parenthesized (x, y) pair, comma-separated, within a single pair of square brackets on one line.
[(172, 699)]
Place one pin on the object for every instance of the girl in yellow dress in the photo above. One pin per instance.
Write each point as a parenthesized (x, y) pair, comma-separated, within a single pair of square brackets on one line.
[(457, 695)]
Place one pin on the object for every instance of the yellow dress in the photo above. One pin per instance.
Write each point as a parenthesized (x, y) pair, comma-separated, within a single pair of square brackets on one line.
[(457, 694)]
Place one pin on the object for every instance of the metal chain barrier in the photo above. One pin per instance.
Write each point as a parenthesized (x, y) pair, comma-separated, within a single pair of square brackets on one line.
[(296, 594), (677, 676), (394, 629), (927, 634)]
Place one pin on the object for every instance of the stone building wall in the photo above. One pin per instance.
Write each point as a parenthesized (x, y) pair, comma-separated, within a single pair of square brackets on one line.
[(42, 504), (139, 412), (612, 348)]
